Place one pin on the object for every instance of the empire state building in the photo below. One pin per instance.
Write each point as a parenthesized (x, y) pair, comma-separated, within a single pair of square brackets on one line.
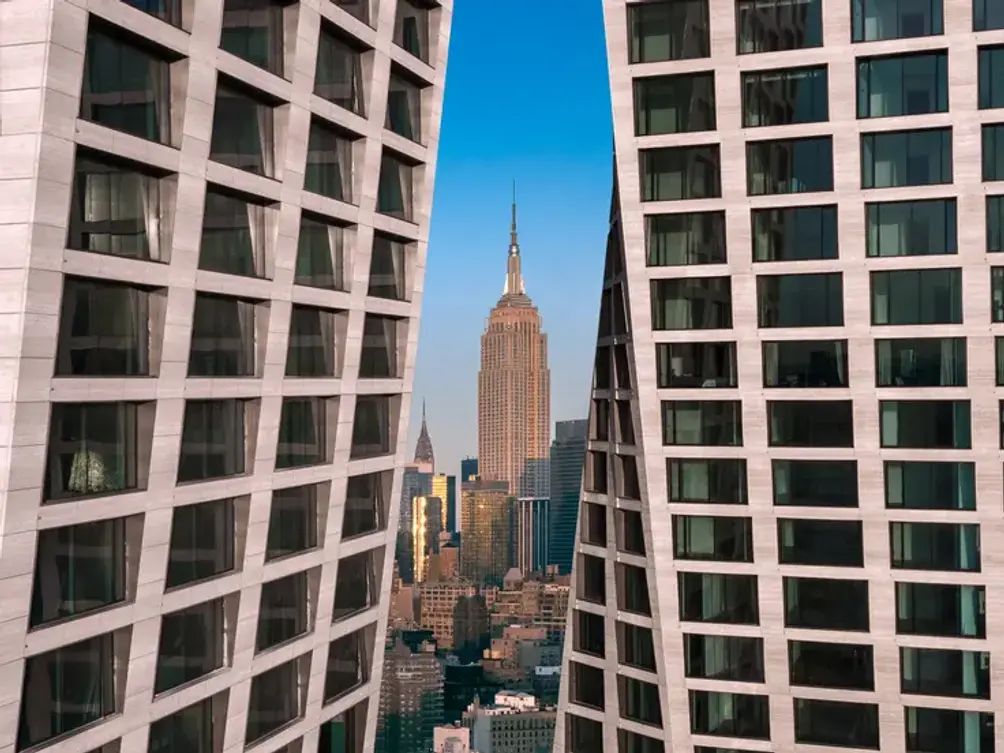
[(514, 389)]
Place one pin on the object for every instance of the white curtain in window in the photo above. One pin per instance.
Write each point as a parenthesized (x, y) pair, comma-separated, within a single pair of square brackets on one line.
[(257, 220), (266, 138), (398, 257), (150, 198), (713, 602), (696, 485), (336, 250), (391, 343), (344, 168)]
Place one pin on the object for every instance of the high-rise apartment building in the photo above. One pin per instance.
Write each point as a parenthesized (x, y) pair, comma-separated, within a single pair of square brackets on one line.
[(793, 484), (426, 526), (486, 522), (514, 388), (214, 229), (568, 452), (411, 698), (530, 536)]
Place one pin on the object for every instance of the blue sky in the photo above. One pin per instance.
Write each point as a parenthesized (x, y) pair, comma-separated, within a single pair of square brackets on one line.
[(527, 99)]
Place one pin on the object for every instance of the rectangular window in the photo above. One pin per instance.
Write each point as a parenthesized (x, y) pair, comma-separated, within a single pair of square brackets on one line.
[(997, 294), (203, 539), (305, 431), (349, 659), (224, 334), (192, 644), (993, 152), (314, 339), (707, 423), (778, 25), (390, 268), (678, 173), (592, 579), (411, 28), (685, 238), (635, 647), (723, 657), (668, 30), (638, 701), (837, 723), (321, 258), (339, 76), (404, 106), (384, 341), (254, 31), (820, 543), (345, 732), (945, 547), (361, 10), (193, 728), (126, 84), (785, 97), (329, 171), (917, 296), (277, 699), (589, 633), (243, 133), (995, 224), (987, 15), (893, 159), (815, 483), (718, 597), (805, 363), (120, 208), (166, 10), (937, 609), (999, 353), (945, 672), (719, 481), (692, 303), (374, 425), (911, 84), (716, 539), (674, 104), (826, 604), (367, 502), (842, 666), (875, 20), (585, 685), (785, 166), (283, 611), (794, 233), (685, 365), (991, 77), (396, 190), (813, 300), (940, 729), (236, 233), (632, 589), (729, 714), (921, 362), (293, 521), (629, 530), (911, 228), (810, 423), (930, 485), (925, 424), (214, 439)]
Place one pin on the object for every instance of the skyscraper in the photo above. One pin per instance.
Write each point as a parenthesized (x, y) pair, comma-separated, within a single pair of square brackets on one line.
[(793, 486), (568, 451), (427, 524), (468, 468), (486, 549), (445, 487), (531, 533), (514, 388), (214, 231), (411, 698), (425, 458)]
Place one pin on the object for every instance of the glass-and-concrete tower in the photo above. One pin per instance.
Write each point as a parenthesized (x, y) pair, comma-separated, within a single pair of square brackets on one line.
[(214, 223), (792, 498)]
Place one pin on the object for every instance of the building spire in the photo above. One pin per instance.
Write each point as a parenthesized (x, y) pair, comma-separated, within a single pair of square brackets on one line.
[(514, 273), (424, 455), (513, 241)]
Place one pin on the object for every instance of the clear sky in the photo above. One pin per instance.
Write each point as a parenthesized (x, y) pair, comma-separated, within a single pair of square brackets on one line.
[(527, 98)]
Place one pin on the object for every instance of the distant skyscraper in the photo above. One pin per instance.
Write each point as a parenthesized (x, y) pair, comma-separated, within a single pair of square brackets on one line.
[(425, 458), (414, 483), (514, 389), (567, 455), (426, 525), (531, 524), (411, 698), (445, 487), (486, 521), (468, 468)]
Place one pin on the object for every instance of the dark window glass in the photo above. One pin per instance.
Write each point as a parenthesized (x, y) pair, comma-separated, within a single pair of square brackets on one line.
[(811, 423), (632, 742), (813, 300), (224, 332), (794, 233), (949, 730), (630, 531), (253, 30), (234, 233), (674, 104), (78, 569), (635, 647), (120, 208), (283, 611), (396, 191), (921, 362), (404, 107), (912, 228), (999, 354), (277, 699), (348, 663), (874, 20), (925, 424), (592, 579), (202, 542), (995, 223), (930, 485), (589, 633), (844, 666), (815, 483), (594, 524), (165, 10), (687, 365), (805, 363), (786, 166), (917, 296), (639, 701), (339, 77), (243, 130), (357, 586), (384, 339), (586, 685), (321, 255), (68, 688), (411, 28), (700, 480), (703, 537), (191, 645), (303, 431), (993, 152), (893, 159), (826, 604), (946, 672), (105, 328), (997, 294), (668, 30), (361, 10), (987, 15), (329, 171), (292, 526), (213, 439), (991, 77), (941, 610), (373, 426), (345, 732), (711, 423), (191, 729), (389, 268), (948, 547), (626, 475), (833, 543), (722, 657), (785, 97), (366, 504), (93, 448), (126, 85), (632, 589), (729, 714), (718, 597), (584, 735), (911, 84), (314, 336), (681, 172), (837, 723), (692, 303), (685, 238), (777, 25)]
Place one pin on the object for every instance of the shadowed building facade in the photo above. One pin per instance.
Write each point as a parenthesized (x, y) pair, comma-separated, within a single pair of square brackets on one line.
[(568, 453), (486, 524)]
